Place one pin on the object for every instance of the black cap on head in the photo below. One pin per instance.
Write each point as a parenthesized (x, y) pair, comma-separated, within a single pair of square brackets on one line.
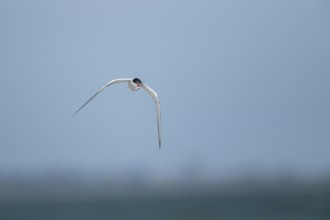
[(136, 80)]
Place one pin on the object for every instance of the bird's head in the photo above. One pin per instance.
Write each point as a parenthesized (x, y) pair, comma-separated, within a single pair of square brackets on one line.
[(135, 84)]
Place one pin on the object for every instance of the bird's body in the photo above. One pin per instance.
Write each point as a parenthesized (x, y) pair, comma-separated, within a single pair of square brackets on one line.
[(134, 84)]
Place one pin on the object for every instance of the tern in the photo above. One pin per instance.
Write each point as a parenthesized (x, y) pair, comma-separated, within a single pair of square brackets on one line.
[(134, 84)]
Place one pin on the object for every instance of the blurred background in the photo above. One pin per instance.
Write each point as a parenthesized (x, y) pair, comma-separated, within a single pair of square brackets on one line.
[(244, 91)]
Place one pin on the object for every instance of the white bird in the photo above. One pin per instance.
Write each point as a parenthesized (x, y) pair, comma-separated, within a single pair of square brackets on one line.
[(134, 84)]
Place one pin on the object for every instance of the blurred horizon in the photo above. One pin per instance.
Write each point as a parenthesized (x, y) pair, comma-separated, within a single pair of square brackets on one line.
[(60, 186)]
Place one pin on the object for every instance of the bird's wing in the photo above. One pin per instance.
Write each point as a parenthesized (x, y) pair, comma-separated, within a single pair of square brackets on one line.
[(154, 96), (103, 88)]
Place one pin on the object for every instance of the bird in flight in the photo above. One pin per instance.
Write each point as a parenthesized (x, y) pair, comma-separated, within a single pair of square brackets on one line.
[(134, 84)]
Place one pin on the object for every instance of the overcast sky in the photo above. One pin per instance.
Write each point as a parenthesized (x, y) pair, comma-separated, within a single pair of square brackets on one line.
[(243, 85)]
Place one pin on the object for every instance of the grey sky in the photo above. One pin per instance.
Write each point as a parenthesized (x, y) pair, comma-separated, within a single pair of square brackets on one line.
[(244, 86)]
